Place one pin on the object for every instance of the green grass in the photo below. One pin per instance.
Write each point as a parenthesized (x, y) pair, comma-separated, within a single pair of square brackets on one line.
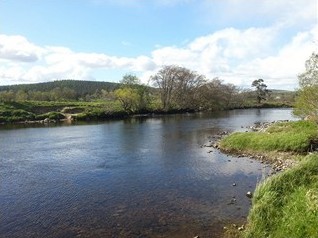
[(286, 205), (285, 136), (39, 110)]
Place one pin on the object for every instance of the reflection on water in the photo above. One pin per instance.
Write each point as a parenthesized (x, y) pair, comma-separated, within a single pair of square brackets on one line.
[(132, 178)]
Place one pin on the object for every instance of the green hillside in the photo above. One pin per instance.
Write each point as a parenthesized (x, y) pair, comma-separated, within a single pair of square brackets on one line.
[(81, 88)]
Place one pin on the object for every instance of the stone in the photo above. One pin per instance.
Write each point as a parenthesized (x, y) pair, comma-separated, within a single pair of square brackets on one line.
[(249, 194), (241, 228), (234, 184)]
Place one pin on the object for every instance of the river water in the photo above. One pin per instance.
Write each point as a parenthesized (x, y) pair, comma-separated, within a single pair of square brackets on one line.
[(147, 177)]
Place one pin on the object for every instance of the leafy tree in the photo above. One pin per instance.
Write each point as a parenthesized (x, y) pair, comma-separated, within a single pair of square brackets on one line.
[(7, 96), (132, 82), (307, 100), (310, 76), (21, 96), (128, 98), (261, 90)]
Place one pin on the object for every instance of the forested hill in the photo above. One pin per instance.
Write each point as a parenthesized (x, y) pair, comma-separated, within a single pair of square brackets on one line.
[(80, 87)]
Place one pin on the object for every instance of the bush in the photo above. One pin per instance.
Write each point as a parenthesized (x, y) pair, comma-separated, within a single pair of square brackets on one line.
[(11, 115)]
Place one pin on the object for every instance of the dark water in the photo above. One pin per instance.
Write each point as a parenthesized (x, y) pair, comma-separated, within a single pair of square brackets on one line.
[(133, 178)]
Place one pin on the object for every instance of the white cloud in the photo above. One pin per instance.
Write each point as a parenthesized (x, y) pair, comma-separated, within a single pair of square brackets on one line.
[(234, 55), (18, 48), (217, 53), (55, 62)]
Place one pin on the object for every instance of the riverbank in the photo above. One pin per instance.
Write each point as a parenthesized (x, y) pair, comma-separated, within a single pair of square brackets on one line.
[(32, 112), (286, 204)]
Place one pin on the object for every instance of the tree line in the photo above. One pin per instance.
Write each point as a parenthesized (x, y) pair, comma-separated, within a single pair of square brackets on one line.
[(171, 88), (57, 90), (178, 88)]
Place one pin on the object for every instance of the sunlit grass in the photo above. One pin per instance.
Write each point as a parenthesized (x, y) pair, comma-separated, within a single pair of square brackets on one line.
[(285, 136), (286, 205)]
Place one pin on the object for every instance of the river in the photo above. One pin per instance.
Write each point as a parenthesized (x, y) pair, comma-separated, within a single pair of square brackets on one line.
[(146, 177)]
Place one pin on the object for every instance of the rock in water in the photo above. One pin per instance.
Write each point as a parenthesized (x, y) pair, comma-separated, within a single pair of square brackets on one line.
[(249, 194)]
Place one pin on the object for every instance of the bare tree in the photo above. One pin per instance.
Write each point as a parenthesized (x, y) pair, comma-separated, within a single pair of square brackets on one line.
[(165, 81), (178, 86)]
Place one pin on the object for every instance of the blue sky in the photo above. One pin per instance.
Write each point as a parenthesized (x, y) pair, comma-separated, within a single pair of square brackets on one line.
[(235, 40)]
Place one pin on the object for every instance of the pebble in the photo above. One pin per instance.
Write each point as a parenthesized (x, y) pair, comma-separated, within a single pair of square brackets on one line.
[(249, 194), (241, 228)]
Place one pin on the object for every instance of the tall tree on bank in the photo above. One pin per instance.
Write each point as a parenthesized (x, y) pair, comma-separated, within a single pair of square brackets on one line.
[(310, 76), (178, 87), (307, 100), (261, 90), (165, 81)]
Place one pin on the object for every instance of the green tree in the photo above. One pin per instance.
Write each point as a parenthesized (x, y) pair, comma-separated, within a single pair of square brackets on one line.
[(130, 80), (142, 99), (128, 98), (21, 95), (7, 96), (310, 76), (307, 100), (261, 90), (306, 104)]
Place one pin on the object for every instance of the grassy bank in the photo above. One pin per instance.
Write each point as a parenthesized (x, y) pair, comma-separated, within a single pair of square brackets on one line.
[(16, 112), (11, 112), (284, 136), (22, 111), (284, 205)]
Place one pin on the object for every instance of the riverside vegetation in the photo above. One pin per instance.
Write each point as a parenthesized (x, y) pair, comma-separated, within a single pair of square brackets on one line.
[(286, 204), (172, 89)]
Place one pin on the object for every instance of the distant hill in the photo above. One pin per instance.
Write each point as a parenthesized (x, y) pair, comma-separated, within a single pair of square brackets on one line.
[(281, 91), (80, 87)]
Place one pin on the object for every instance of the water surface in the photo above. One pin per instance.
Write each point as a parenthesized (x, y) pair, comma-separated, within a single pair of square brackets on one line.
[(132, 178)]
